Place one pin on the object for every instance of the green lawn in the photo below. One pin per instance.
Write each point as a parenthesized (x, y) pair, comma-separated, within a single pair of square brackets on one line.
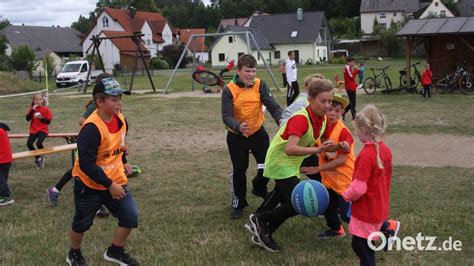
[(184, 193)]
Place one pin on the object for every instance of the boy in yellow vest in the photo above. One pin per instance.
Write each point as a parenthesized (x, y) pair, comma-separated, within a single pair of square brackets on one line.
[(336, 167), (100, 175), (242, 102), (293, 142)]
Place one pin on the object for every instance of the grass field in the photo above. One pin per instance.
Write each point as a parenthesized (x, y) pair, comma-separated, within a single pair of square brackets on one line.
[(184, 193)]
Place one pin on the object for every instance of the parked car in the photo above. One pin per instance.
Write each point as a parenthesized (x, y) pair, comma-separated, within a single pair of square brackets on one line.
[(75, 73)]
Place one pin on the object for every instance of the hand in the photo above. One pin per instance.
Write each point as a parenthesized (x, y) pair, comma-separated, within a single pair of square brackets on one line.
[(38, 115), (35, 106), (244, 129), (128, 169), (307, 170), (326, 145), (116, 191), (344, 146)]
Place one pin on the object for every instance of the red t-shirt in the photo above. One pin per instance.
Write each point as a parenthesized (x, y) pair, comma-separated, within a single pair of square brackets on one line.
[(36, 125), (373, 206), (113, 125), (426, 77), (349, 78), (5, 148), (298, 125), (344, 136)]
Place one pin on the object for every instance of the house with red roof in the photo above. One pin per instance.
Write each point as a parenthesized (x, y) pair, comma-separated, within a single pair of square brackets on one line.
[(197, 46), (112, 22)]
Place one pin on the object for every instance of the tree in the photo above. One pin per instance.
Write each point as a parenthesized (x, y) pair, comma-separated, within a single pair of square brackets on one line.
[(83, 24), (23, 58), (391, 41), (49, 63), (4, 23), (172, 53)]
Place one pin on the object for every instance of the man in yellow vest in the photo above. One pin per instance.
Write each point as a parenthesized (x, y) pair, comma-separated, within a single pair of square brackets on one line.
[(242, 113), (100, 177)]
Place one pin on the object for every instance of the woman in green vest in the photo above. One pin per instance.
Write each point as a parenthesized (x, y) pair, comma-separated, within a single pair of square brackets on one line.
[(293, 142)]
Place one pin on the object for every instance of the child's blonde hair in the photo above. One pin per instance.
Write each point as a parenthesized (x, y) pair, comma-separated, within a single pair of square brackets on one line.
[(372, 121), (34, 96), (311, 77)]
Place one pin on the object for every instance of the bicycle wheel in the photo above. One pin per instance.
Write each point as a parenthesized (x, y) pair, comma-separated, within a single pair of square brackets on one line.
[(388, 84), (441, 86), (370, 85), (466, 84)]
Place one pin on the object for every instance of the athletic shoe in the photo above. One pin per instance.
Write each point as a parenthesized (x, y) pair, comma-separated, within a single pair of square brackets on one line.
[(40, 162), (6, 200), (75, 258), (262, 235), (261, 194), (390, 229), (52, 196), (102, 212), (119, 257), (332, 233), (236, 213)]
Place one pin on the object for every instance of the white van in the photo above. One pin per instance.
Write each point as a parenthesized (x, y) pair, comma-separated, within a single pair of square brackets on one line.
[(75, 73)]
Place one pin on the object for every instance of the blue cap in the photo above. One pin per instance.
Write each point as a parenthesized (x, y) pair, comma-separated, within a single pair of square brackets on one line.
[(109, 86)]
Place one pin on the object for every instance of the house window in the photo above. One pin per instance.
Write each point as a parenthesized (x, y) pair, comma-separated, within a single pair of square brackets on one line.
[(221, 57), (105, 22), (277, 55), (394, 14), (431, 13), (442, 13), (231, 39), (294, 34), (436, 3), (382, 15), (383, 25), (148, 42), (239, 54)]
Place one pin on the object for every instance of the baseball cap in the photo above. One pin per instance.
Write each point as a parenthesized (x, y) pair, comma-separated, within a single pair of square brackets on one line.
[(337, 97), (109, 86)]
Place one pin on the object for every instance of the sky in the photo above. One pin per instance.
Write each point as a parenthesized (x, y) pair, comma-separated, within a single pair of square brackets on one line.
[(45, 12)]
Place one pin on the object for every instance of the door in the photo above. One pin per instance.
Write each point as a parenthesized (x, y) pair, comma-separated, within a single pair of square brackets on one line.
[(297, 56)]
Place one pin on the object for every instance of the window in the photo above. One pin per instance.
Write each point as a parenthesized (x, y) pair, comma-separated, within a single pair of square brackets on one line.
[(442, 13), (436, 3), (239, 54), (431, 13), (148, 42), (294, 34), (84, 68), (394, 14), (277, 55), (221, 57), (382, 15), (105, 22), (231, 39), (383, 25)]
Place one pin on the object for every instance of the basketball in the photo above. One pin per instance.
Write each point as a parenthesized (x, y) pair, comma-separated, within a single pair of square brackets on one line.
[(310, 198)]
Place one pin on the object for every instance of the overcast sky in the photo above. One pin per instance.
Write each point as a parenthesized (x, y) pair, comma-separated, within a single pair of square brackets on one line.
[(45, 12)]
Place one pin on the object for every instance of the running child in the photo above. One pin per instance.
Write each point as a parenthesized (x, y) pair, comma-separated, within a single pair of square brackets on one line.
[(293, 142), (100, 175), (350, 73), (40, 117), (5, 164), (370, 187)]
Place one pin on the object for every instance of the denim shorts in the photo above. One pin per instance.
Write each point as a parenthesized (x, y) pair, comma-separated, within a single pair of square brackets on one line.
[(87, 202)]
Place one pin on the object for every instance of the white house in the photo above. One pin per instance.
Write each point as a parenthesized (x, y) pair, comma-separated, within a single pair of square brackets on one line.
[(435, 9), (121, 22), (306, 33), (386, 12)]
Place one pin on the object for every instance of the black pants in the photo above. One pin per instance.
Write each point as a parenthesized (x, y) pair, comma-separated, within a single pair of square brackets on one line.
[(312, 160), (352, 104), (337, 207), (39, 138), (239, 147), (285, 82), (4, 171), (64, 179), (364, 252), (292, 93), (427, 89), (280, 195)]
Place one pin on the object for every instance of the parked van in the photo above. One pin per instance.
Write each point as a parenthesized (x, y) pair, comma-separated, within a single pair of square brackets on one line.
[(75, 73)]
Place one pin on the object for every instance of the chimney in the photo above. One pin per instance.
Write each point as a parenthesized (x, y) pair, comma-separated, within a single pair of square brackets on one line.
[(236, 22), (132, 11), (299, 14)]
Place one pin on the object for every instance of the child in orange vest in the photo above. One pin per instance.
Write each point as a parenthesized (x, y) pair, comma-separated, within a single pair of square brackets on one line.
[(100, 175), (40, 117), (336, 167), (5, 163)]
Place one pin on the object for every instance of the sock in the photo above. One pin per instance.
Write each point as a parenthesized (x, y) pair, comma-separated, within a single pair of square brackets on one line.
[(75, 250), (115, 248)]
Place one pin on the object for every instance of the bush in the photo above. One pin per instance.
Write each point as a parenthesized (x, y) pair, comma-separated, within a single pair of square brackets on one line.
[(338, 60), (309, 61), (158, 64), (23, 58), (172, 53)]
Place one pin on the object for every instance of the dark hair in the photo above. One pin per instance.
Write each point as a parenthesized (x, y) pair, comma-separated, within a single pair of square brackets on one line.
[(318, 86), (290, 52), (246, 60), (349, 59)]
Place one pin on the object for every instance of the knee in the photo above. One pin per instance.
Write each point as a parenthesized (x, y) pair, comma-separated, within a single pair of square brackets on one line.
[(30, 146), (81, 226), (131, 219)]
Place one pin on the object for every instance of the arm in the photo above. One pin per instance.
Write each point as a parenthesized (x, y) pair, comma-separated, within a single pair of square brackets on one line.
[(29, 114), (270, 102), (288, 73), (228, 111), (356, 190), (88, 143), (340, 160), (292, 148)]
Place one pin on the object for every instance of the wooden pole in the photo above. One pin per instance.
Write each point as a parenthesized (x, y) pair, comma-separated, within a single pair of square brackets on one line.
[(408, 45)]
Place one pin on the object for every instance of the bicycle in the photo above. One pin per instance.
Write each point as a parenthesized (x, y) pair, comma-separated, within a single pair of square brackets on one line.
[(372, 83), (413, 85), (460, 78)]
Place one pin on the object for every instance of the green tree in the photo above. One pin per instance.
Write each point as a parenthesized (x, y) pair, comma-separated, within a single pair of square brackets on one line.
[(48, 61), (172, 53), (83, 24), (391, 41), (23, 58)]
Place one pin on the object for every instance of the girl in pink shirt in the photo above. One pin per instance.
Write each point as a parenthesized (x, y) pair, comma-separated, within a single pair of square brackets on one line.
[(370, 187)]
